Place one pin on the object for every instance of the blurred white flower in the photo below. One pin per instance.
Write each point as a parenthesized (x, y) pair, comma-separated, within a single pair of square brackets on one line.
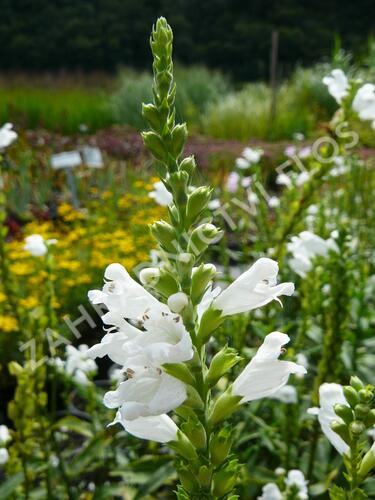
[(329, 396), (283, 180), (232, 182), (302, 178), (214, 204), (148, 391), (7, 136), (337, 84), (149, 276), (252, 197), (266, 374), (78, 364), (290, 150), (249, 156), (160, 428), (301, 359), (254, 288), (287, 394), (4, 434), (305, 247), (304, 152), (364, 103), (273, 202), (246, 182), (161, 194), (296, 478), (36, 245), (270, 491), (4, 456), (252, 155)]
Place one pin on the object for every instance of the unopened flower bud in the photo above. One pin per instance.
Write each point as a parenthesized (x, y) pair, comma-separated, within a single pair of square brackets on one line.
[(165, 234), (220, 445), (361, 411), (365, 395), (370, 419), (344, 412), (201, 237), (357, 428), (178, 301), (195, 431), (224, 406), (341, 429), (225, 479), (201, 277), (351, 395), (223, 361), (197, 202), (188, 165), (149, 276), (356, 383)]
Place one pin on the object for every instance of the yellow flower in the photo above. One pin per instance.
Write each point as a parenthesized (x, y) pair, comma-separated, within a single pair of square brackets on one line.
[(8, 324), (21, 268), (3, 297), (30, 302)]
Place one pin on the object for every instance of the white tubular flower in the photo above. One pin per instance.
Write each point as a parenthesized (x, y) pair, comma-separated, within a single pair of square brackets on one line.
[(160, 428), (78, 364), (161, 195), (4, 434), (112, 343), (255, 287), (165, 340), (270, 491), (329, 396), (266, 374), (147, 392), (7, 136), (296, 478), (287, 394), (122, 295), (177, 302), (36, 245), (364, 103), (4, 456), (337, 84)]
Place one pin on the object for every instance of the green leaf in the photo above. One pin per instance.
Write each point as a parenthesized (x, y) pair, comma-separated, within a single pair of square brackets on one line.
[(8, 487), (163, 475), (76, 425), (180, 371)]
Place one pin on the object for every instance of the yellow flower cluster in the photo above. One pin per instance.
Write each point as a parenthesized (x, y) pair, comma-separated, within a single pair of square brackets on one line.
[(87, 241)]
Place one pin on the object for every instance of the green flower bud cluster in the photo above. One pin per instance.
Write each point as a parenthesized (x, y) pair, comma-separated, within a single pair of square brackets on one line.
[(356, 419)]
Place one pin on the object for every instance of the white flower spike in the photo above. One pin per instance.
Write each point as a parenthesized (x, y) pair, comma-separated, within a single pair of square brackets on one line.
[(7, 136)]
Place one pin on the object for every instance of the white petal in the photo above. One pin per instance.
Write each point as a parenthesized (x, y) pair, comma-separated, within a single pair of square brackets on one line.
[(160, 428)]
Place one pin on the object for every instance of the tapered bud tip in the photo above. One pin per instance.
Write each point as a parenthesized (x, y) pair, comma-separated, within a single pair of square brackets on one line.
[(178, 301), (149, 276), (356, 383), (185, 258)]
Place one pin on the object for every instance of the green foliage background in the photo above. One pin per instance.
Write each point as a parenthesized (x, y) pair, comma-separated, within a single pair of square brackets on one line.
[(230, 35)]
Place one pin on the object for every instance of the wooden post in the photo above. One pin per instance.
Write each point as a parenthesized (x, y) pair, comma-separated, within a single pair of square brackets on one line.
[(273, 77)]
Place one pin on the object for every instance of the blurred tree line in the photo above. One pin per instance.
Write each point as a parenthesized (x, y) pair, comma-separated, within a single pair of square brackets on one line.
[(231, 35)]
